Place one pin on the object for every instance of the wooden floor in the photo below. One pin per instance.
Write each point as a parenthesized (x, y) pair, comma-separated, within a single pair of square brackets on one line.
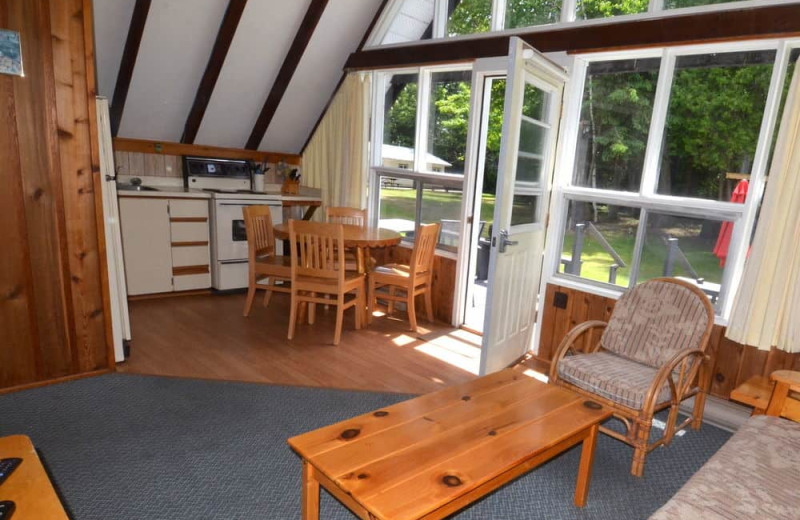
[(206, 337)]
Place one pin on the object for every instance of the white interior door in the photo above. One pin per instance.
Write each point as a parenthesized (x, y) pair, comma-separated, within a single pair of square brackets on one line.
[(532, 111)]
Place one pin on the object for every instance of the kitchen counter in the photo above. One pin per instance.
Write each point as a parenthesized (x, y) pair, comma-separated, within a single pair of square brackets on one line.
[(171, 192), (306, 194)]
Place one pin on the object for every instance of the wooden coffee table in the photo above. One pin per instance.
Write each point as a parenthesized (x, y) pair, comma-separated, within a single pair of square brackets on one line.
[(431, 456)]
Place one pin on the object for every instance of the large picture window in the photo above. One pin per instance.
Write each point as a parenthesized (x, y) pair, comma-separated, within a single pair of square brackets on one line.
[(668, 156), (413, 20), (422, 118)]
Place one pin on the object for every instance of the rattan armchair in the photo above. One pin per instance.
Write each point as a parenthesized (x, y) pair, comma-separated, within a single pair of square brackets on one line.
[(650, 357)]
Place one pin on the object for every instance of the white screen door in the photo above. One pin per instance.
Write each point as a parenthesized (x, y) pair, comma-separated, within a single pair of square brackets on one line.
[(527, 149)]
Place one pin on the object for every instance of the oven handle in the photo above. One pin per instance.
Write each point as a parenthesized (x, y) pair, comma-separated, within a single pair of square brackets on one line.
[(249, 204), (225, 262)]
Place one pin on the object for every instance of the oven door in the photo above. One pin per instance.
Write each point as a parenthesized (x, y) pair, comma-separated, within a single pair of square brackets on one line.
[(229, 230)]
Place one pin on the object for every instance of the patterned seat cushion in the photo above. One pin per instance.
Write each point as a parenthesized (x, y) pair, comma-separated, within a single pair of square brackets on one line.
[(613, 377), (655, 320), (754, 475)]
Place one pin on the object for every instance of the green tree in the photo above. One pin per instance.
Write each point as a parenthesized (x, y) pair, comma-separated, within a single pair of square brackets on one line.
[(400, 121), (447, 135)]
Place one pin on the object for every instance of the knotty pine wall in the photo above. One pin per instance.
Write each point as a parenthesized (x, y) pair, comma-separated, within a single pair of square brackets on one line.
[(52, 272), (731, 363)]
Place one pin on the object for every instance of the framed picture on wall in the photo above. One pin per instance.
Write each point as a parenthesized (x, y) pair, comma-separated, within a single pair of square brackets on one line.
[(10, 53)]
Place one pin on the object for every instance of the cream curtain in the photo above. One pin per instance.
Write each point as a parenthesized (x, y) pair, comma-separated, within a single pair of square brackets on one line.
[(336, 159), (766, 311)]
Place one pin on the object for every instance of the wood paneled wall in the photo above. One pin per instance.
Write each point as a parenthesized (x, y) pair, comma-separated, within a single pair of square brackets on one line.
[(52, 273), (444, 280), (731, 363)]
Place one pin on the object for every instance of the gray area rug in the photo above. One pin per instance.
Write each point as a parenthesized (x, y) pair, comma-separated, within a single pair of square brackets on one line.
[(137, 447)]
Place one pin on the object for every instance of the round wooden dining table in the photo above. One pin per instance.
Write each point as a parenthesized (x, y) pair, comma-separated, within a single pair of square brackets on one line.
[(360, 238)]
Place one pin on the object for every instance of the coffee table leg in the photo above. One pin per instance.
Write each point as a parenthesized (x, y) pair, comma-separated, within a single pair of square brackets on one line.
[(310, 492), (585, 468)]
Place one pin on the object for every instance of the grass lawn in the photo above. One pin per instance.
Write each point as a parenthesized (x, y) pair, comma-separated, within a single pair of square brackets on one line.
[(436, 205), (596, 261)]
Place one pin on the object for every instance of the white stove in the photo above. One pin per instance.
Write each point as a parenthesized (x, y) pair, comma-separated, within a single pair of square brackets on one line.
[(229, 182)]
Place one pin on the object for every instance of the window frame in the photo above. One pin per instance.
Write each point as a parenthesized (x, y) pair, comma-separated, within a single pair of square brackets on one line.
[(416, 172), (569, 18), (647, 199)]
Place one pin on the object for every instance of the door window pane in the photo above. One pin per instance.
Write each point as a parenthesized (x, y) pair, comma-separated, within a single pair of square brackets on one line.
[(525, 13), (535, 103), (615, 122), (443, 204), (689, 248), (713, 122), (400, 121), (587, 9), (448, 121), (398, 205), (599, 241), (533, 133), (468, 16), (525, 209)]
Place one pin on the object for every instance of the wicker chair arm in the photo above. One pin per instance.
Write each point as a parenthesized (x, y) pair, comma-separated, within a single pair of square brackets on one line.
[(568, 341), (666, 371)]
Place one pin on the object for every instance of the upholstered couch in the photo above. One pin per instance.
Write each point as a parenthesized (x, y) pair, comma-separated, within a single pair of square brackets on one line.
[(754, 475)]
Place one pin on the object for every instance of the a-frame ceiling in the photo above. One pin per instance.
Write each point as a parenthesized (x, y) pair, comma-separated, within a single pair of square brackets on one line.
[(176, 42)]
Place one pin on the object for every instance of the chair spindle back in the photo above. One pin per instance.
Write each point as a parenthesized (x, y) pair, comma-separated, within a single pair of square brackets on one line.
[(317, 249), (260, 235), (345, 215), (425, 241)]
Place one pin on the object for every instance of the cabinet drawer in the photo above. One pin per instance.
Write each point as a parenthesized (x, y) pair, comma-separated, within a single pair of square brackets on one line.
[(193, 255), (188, 208), (189, 231), (192, 281)]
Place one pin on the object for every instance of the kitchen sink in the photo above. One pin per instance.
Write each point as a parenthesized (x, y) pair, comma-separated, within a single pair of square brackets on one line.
[(131, 187)]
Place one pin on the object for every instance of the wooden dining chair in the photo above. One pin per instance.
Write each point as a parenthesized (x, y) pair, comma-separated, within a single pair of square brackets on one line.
[(264, 264), (352, 217), (413, 279), (317, 273)]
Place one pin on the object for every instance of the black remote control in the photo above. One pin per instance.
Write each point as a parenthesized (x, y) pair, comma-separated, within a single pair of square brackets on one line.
[(7, 508), (7, 467)]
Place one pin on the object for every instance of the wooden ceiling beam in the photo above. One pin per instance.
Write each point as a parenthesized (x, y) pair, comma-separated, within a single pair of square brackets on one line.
[(129, 55), (290, 63), (361, 44), (227, 30), (122, 144), (725, 25)]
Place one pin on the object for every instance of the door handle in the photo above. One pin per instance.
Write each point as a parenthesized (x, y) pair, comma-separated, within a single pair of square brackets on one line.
[(505, 242)]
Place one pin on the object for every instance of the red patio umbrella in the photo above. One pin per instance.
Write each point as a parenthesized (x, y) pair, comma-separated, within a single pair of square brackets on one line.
[(724, 239)]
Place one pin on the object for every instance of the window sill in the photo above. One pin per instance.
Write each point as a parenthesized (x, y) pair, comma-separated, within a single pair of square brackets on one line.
[(606, 292)]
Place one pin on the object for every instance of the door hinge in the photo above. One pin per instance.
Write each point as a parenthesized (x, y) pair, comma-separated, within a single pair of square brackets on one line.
[(469, 220), (168, 212)]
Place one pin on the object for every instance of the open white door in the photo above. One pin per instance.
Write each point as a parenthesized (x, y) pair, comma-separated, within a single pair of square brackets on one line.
[(531, 116)]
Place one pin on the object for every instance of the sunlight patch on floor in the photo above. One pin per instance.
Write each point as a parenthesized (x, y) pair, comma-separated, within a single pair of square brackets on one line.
[(402, 340), (454, 349)]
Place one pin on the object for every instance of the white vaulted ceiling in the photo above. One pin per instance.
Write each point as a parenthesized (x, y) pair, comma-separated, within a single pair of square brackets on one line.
[(176, 44), (342, 26), (253, 61)]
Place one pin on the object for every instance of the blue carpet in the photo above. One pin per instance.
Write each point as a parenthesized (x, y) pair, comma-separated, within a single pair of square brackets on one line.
[(137, 447)]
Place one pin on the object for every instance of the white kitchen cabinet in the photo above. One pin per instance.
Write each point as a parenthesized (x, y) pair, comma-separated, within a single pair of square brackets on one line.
[(165, 243), (146, 244)]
